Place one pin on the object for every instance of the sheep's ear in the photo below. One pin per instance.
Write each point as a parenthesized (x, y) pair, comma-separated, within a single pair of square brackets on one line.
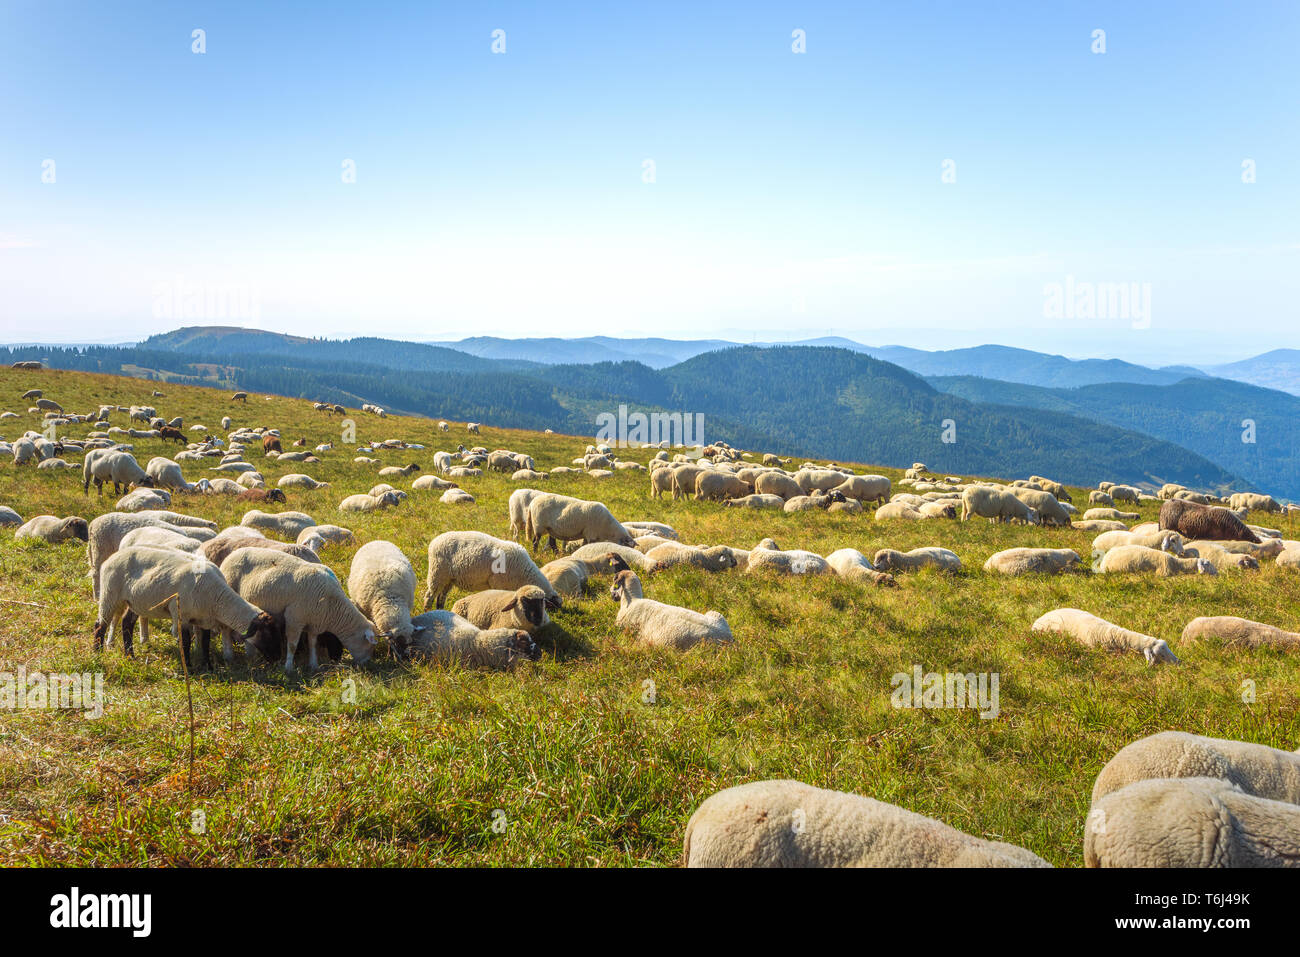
[(511, 605)]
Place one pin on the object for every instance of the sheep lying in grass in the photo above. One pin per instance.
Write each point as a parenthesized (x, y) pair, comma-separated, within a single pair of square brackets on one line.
[(1165, 541), (1094, 632), (669, 554), (523, 609), (223, 546), (756, 501), (892, 560), (445, 637), (598, 557), (163, 538), (52, 529), (766, 556), (330, 534), (792, 824), (1269, 548), (1136, 559), (1220, 558), (152, 582), (1241, 633), (431, 483), (301, 481), (381, 582), (1027, 561), (852, 564), (1255, 768), (287, 525), (307, 598), (363, 502), (1191, 822), (567, 576), (1099, 525), (1110, 515), (660, 625), (476, 561), (143, 499), (8, 517)]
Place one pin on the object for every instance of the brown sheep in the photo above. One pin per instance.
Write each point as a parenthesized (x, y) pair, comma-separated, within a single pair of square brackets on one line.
[(1206, 522), (261, 495), (271, 443), (167, 432)]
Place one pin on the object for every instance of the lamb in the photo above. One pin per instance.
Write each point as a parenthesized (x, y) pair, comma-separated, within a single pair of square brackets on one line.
[(1241, 633), (569, 519), (523, 609), (1255, 768), (788, 823), (111, 465), (1023, 561), (1191, 822), (852, 564), (306, 597), (660, 625), (106, 533), (445, 637), (1138, 558), (364, 502), (670, 554), (285, 524), (995, 504), (891, 560), (1210, 523), (476, 561), (1049, 509), (53, 529), (156, 582), (1096, 632), (299, 480)]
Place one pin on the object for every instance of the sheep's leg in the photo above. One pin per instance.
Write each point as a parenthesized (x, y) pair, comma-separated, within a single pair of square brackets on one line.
[(104, 627), (205, 638), (292, 634), (313, 658), (228, 646)]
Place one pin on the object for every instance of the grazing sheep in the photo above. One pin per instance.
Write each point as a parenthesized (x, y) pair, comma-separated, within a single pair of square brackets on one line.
[(1210, 523), (1124, 493), (603, 558), (218, 549), (792, 824), (476, 561), (298, 480), (167, 474), (569, 519), (157, 582), (1096, 632), (518, 509), (1045, 504), (864, 488), (285, 524), (996, 505), (106, 533), (112, 465), (852, 564), (445, 637), (1129, 559), (523, 609), (1100, 498), (53, 529), (364, 502), (1190, 822), (382, 584), (1241, 633), (1025, 561), (1254, 502), (660, 625), (306, 597), (777, 483), (891, 560), (716, 485)]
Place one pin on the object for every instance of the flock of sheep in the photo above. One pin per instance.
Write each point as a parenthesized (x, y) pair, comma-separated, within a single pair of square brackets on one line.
[(1168, 800)]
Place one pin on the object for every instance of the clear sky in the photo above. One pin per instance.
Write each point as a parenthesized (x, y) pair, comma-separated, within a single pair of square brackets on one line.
[(794, 194)]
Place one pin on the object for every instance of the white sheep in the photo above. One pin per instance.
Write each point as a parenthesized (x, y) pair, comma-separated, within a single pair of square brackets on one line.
[(569, 519), (660, 625), (381, 583), (8, 517), (52, 529), (1190, 822), (299, 480), (852, 564), (167, 474), (364, 502), (1094, 632), (523, 609), (287, 525), (1025, 561), (306, 597), (475, 561), (792, 824), (892, 560), (144, 499), (1131, 559), (106, 533), (112, 465), (330, 534), (1241, 633), (996, 505), (445, 637)]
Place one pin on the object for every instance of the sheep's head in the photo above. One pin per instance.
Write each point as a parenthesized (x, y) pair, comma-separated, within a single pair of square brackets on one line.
[(362, 645), (1160, 653), (263, 635), (616, 563), (531, 601), (625, 583), (1204, 567), (275, 495), (146, 482), (77, 528)]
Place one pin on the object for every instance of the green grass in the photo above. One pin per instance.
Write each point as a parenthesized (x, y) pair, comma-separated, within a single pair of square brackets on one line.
[(586, 773)]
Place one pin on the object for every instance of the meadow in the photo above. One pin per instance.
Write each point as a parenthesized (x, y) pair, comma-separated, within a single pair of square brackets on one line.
[(598, 754)]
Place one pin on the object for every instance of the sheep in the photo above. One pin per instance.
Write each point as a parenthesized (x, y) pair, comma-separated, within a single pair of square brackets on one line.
[(382, 584), (821, 480), (1110, 514), (864, 488), (111, 465), (639, 529), (456, 496), (143, 499), (218, 549), (786, 823), (1128, 559), (569, 519), (1254, 502), (476, 561), (891, 560), (755, 501), (936, 509), (660, 625), (51, 528), (1100, 498), (1241, 632), (167, 474), (8, 517), (431, 483), (306, 597), (716, 485), (777, 483), (363, 502), (285, 524), (389, 470), (1094, 632), (445, 637), (1270, 548), (670, 554), (852, 564), (661, 480), (331, 534), (299, 480), (568, 576), (106, 532), (262, 495), (472, 427), (523, 609), (1022, 561), (1166, 541), (56, 463), (156, 582), (162, 538), (996, 505), (517, 506), (893, 511), (1210, 523), (603, 557), (766, 556), (1124, 493), (1220, 558), (1191, 822), (1045, 504)]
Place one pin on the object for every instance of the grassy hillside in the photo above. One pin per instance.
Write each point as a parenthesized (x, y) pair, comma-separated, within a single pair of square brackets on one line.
[(585, 771)]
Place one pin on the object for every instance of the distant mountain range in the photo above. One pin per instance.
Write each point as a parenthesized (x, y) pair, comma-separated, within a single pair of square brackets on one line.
[(809, 401)]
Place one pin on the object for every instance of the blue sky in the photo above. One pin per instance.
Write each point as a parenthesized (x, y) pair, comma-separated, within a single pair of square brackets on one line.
[(794, 194)]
